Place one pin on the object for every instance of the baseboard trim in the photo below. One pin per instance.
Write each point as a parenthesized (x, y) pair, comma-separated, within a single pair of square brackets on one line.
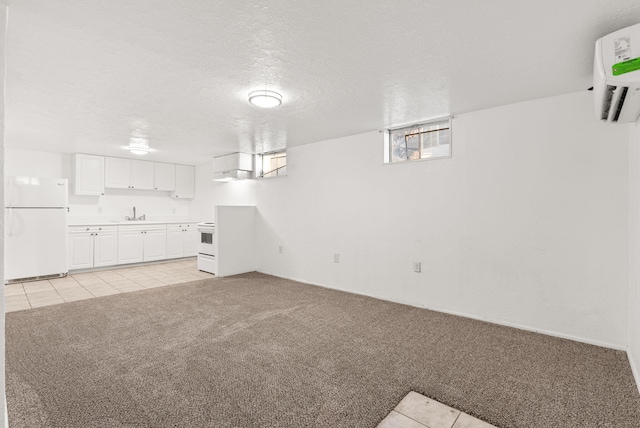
[(465, 315), (634, 369)]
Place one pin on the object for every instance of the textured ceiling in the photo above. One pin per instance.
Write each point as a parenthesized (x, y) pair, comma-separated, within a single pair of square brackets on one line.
[(83, 75)]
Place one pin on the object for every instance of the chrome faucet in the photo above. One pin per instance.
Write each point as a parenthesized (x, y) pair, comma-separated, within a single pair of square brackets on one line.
[(134, 218)]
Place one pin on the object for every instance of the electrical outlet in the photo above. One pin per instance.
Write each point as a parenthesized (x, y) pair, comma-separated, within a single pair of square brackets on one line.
[(336, 258), (280, 249), (174, 210), (417, 266), (99, 210)]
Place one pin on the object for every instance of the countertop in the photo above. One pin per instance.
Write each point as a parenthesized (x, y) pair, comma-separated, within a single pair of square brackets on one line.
[(73, 223)]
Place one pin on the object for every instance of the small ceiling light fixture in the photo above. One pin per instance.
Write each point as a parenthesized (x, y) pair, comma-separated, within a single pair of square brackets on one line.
[(265, 98), (138, 146)]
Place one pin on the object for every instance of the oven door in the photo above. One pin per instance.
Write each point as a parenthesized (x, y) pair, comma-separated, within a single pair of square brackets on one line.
[(206, 246)]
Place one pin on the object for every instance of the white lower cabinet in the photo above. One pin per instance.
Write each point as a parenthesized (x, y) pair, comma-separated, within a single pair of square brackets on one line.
[(102, 245), (92, 246), (105, 248), (142, 243), (155, 244), (130, 246), (191, 241), (182, 240)]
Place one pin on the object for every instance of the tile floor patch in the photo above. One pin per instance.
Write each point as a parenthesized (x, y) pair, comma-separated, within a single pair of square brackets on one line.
[(398, 420), (467, 421), (417, 411), (427, 411), (88, 285)]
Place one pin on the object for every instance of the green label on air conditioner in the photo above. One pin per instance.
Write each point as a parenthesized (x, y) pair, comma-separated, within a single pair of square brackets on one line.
[(626, 66)]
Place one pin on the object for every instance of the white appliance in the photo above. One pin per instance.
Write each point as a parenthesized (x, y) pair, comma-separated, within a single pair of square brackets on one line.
[(35, 228), (616, 75), (206, 248)]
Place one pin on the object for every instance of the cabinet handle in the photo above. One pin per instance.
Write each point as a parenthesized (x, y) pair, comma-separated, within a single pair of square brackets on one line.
[(87, 228), (99, 228)]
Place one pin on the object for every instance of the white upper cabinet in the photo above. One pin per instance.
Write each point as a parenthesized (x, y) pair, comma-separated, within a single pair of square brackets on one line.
[(128, 174), (165, 176), (94, 173), (117, 173), (89, 174), (142, 174), (185, 181)]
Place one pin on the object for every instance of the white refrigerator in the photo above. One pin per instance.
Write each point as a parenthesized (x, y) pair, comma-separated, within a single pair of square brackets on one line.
[(35, 228)]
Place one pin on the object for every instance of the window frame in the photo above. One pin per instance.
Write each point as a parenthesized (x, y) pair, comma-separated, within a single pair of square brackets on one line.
[(261, 156), (387, 146)]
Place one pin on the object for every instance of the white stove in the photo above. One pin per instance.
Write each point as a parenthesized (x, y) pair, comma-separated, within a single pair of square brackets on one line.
[(207, 248)]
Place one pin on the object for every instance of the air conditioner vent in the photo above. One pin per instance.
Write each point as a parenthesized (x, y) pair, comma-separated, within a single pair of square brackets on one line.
[(623, 95), (606, 105)]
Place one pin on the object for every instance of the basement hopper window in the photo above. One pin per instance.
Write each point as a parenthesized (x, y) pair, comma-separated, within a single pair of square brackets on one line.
[(273, 164), (428, 140)]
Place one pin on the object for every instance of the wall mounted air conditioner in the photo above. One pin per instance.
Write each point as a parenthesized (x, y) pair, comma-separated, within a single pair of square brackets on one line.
[(616, 75), (234, 166)]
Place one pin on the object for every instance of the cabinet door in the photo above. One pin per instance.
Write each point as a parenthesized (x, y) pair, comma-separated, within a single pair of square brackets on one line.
[(190, 241), (165, 176), (105, 249), (155, 245), (89, 175), (185, 182), (130, 246), (142, 175), (117, 173), (80, 250), (174, 241)]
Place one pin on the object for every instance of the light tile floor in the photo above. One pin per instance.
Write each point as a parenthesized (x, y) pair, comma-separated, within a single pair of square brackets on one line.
[(417, 411), (87, 285)]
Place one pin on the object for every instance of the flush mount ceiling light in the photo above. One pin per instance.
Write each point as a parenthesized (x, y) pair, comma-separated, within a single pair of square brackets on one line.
[(264, 98), (138, 146)]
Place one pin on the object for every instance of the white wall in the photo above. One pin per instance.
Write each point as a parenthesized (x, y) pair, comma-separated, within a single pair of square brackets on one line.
[(3, 32), (526, 225), (634, 250), (211, 193), (115, 204)]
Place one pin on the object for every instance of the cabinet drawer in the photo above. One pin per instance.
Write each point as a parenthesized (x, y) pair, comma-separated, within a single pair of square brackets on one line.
[(91, 229), (142, 227), (180, 226)]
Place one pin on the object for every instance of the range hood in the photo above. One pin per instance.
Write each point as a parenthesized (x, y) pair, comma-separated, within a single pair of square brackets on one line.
[(234, 166)]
